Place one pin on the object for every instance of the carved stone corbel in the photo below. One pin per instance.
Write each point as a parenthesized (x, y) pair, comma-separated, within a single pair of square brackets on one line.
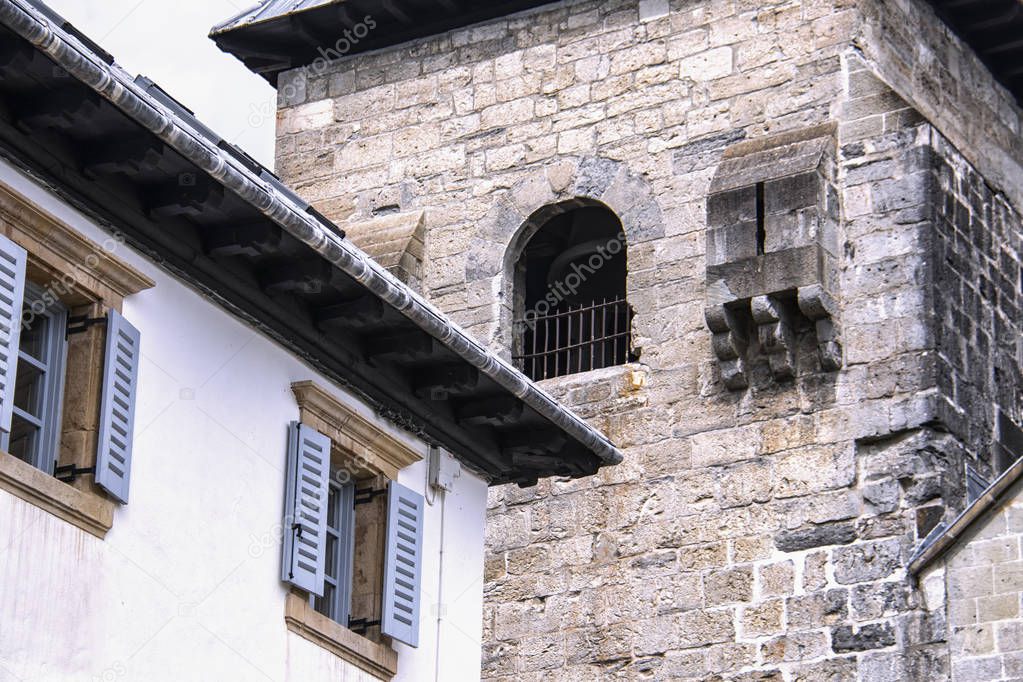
[(775, 330), (730, 341), (819, 307)]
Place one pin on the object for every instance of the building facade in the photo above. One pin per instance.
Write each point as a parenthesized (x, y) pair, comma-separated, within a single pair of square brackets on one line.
[(820, 204), (232, 446)]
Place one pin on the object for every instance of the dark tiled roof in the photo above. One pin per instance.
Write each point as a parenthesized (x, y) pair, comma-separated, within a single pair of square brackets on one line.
[(279, 35)]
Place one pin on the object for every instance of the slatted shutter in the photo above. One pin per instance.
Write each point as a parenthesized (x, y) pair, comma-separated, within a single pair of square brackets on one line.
[(12, 294), (403, 564), (305, 509), (117, 408)]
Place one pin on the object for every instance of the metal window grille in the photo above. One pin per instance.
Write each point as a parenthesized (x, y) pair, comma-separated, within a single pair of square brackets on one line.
[(576, 339)]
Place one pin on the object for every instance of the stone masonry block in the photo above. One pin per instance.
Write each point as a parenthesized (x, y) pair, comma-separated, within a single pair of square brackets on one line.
[(789, 194), (763, 619), (867, 637), (817, 609), (815, 536), (867, 561), (732, 206), (728, 586), (732, 241)]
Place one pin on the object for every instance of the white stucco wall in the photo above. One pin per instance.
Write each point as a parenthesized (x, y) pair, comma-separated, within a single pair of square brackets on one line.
[(186, 585)]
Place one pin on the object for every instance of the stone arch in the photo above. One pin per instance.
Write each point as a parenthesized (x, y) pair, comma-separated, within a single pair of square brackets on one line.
[(539, 196)]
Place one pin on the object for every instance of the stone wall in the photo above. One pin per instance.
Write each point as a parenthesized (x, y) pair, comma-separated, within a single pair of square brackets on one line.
[(980, 584), (978, 302), (751, 533), (945, 80)]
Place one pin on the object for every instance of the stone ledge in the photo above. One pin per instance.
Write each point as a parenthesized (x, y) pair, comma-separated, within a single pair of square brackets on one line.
[(376, 659), (87, 511)]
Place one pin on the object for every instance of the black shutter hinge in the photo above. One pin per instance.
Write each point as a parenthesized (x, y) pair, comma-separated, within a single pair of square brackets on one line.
[(367, 495), (69, 473), (361, 625), (80, 324)]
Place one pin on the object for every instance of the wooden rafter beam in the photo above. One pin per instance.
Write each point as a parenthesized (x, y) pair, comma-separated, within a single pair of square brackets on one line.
[(63, 110), (257, 239), (309, 276), (189, 195), (123, 154), (495, 411), (444, 381), (403, 346), (363, 312)]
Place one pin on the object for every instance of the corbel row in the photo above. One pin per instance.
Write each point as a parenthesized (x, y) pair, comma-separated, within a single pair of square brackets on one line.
[(775, 321)]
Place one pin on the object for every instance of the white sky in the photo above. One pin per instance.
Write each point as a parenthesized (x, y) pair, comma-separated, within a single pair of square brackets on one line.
[(167, 42)]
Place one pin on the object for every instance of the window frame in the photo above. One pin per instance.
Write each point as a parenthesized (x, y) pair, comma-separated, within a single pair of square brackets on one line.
[(89, 277), (53, 368), (366, 455), (341, 503), (611, 343)]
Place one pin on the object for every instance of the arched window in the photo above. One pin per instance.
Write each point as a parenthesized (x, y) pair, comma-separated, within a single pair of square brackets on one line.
[(571, 311)]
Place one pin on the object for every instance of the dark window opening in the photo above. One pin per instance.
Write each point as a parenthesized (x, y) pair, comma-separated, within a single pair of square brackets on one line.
[(572, 311), (761, 229)]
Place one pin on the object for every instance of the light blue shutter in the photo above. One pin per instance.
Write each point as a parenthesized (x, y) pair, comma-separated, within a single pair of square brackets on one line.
[(305, 509), (403, 564), (117, 409), (12, 294)]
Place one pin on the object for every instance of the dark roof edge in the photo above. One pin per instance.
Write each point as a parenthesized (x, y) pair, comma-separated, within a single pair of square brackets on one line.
[(945, 539), (114, 84)]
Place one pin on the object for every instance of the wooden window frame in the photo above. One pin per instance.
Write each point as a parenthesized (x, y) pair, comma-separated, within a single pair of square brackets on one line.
[(361, 452), (89, 279)]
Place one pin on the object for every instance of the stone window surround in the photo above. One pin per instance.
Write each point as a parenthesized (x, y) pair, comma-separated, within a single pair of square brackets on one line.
[(363, 449), (542, 194), (57, 253)]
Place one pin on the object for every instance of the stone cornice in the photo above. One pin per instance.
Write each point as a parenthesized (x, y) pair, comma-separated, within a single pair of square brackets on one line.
[(362, 445), (27, 221)]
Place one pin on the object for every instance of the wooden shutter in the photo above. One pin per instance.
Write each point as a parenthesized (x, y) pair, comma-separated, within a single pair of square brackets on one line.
[(117, 408), (12, 294), (305, 509), (403, 564)]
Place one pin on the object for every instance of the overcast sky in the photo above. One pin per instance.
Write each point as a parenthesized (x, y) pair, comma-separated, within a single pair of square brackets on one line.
[(167, 42)]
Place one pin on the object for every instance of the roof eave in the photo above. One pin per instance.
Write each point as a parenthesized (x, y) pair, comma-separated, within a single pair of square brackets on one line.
[(109, 81)]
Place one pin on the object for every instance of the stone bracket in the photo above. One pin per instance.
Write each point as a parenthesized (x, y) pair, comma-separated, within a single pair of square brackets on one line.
[(730, 342), (769, 324), (776, 333), (818, 306)]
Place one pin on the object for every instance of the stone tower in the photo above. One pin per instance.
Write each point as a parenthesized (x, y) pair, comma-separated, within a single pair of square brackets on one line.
[(819, 308)]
